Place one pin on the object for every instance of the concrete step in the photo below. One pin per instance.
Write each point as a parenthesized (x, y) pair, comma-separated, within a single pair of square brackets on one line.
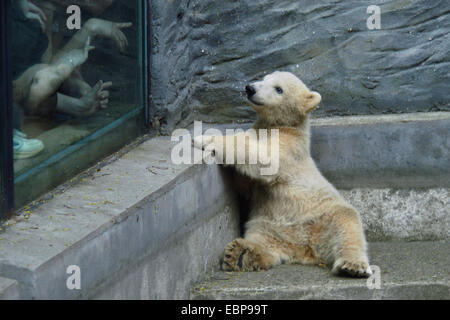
[(406, 270)]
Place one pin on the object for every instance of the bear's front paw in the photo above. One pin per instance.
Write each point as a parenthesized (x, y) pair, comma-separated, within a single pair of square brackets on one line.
[(353, 268), (239, 255)]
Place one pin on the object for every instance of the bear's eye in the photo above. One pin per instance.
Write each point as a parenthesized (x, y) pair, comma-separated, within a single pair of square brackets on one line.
[(279, 90)]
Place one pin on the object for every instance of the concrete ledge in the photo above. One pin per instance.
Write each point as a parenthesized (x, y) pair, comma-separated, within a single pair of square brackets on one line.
[(408, 270), (393, 151), (9, 289), (383, 151), (138, 215)]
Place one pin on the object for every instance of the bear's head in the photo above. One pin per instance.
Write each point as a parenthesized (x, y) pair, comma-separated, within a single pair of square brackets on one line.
[(282, 99)]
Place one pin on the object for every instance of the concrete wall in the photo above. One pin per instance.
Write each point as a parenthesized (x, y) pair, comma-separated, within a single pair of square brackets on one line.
[(204, 52), (9, 289)]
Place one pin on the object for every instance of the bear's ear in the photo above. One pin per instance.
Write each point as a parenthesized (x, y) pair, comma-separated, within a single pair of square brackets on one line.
[(312, 100)]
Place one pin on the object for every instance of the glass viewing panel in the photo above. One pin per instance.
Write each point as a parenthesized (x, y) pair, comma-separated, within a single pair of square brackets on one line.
[(76, 92)]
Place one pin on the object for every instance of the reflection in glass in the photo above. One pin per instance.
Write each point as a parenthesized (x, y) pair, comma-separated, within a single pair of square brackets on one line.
[(68, 84)]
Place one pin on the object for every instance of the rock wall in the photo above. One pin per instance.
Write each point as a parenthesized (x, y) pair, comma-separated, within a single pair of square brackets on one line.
[(203, 52)]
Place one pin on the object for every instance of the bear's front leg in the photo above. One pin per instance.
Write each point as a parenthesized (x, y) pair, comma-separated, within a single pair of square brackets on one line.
[(244, 255), (242, 152)]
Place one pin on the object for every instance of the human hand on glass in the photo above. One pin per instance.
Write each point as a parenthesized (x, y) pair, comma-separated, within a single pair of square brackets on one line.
[(109, 29), (33, 12)]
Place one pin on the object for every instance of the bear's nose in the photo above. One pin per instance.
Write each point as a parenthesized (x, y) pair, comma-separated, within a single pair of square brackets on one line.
[(250, 90)]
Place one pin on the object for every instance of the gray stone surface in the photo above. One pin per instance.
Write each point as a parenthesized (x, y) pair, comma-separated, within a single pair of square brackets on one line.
[(204, 52), (389, 214), (408, 270), (9, 289)]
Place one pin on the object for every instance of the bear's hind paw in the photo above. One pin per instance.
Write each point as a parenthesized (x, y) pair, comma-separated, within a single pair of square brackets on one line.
[(239, 255)]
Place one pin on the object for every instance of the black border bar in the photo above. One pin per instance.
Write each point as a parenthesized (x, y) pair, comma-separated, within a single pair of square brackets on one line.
[(6, 143)]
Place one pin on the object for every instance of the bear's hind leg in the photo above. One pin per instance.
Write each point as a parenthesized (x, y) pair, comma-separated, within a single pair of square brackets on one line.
[(261, 252)]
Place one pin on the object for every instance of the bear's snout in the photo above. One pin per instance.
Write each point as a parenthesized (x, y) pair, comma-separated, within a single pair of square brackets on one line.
[(250, 91)]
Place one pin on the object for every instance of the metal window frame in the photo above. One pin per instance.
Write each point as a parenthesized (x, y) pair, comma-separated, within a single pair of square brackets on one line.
[(6, 141), (145, 60)]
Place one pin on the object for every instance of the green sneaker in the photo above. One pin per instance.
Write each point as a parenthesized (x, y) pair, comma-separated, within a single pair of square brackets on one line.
[(26, 148)]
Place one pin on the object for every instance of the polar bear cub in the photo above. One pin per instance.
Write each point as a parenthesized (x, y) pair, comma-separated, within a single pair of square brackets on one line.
[(296, 215)]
